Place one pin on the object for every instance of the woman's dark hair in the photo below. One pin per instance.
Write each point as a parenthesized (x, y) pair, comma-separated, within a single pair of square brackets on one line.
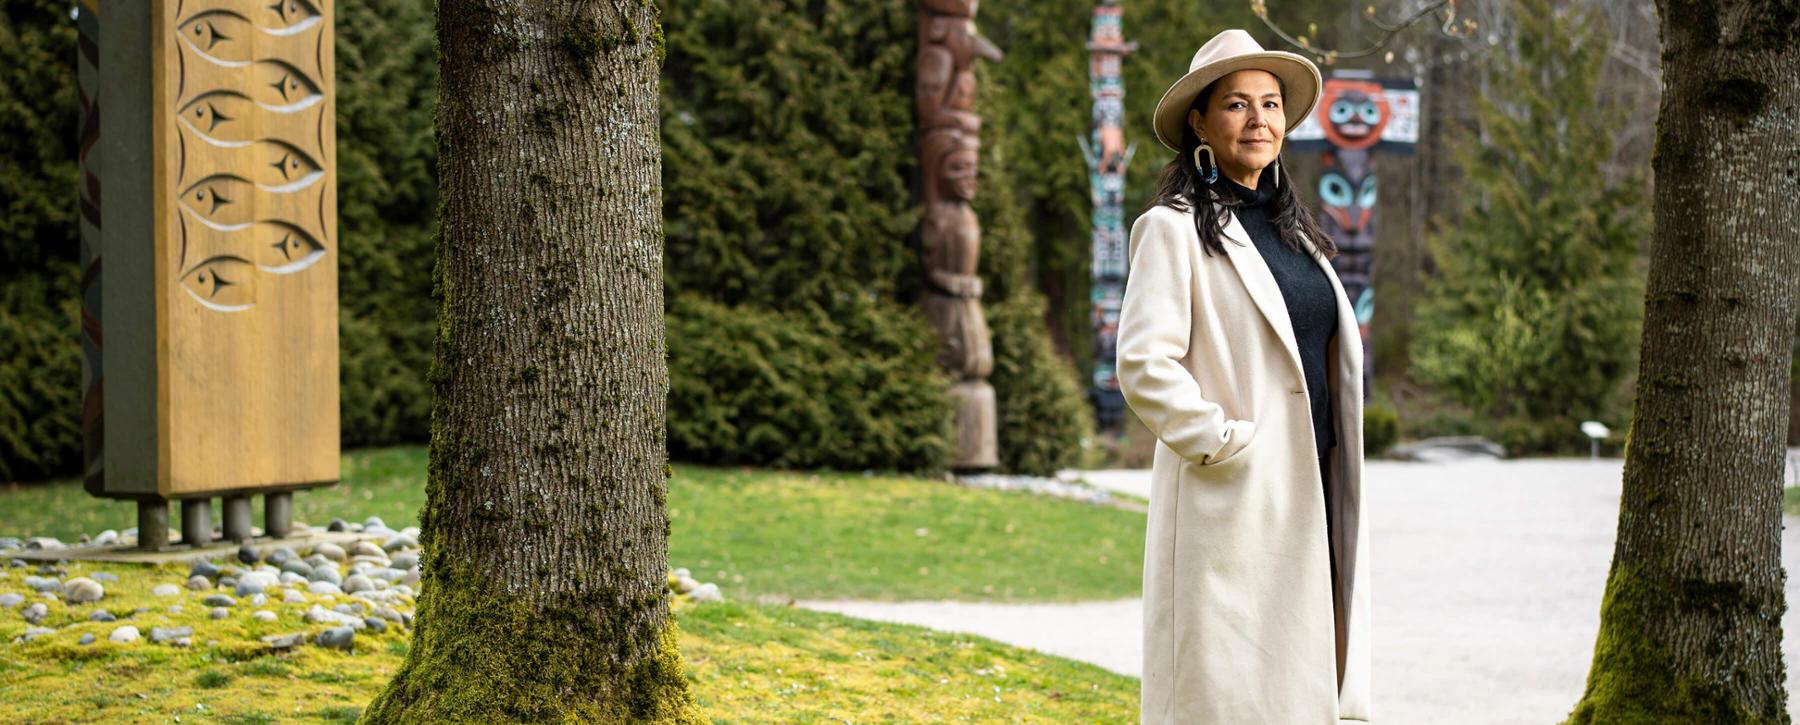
[(1182, 186)]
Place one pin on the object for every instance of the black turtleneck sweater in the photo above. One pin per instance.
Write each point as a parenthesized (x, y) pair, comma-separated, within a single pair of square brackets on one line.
[(1311, 304)]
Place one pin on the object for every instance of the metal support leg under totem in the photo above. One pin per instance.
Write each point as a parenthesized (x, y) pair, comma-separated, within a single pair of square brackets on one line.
[(278, 513), (237, 519), (153, 523), (196, 521)]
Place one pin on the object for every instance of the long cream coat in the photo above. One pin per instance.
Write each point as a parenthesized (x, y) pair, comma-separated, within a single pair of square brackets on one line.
[(1241, 626)]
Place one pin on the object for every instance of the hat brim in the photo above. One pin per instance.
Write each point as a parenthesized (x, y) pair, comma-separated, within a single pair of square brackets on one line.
[(1299, 75)]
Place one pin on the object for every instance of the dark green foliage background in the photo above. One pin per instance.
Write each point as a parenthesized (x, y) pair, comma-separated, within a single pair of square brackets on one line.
[(387, 202), (40, 349), (1532, 321), (787, 150), (856, 388)]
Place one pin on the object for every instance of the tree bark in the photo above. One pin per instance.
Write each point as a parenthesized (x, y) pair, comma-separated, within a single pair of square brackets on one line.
[(1690, 626), (544, 528)]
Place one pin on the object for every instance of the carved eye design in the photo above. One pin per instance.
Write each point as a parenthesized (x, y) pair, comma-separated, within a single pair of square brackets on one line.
[(211, 281), (218, 33), (207, 35), (213, 114), (219, 283), (1366, 197), (219, 200), (208, 116), (1342, 111), (289, 13), (1334, 189), (287, 88), (1370, 112), (291, 251), (293, 169), (210, 199)]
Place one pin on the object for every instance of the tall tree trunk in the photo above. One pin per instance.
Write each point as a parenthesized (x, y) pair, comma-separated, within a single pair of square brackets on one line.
[(1690, 626), (544, 529)]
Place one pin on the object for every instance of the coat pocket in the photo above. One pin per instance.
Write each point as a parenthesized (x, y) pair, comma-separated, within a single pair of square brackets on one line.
[(1243, 432)]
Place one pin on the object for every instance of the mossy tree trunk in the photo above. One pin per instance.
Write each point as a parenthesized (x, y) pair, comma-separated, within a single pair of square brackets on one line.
[(1690, 626), (545, 533)]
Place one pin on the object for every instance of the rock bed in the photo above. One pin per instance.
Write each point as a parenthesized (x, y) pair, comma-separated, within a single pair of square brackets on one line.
[(326, 594), (1034, 484)]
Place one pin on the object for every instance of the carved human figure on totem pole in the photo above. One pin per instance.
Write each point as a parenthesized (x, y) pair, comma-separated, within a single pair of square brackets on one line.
[(950, 234)]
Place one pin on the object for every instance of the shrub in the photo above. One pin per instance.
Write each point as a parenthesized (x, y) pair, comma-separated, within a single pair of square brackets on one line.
[(787, 150), (1043, 416), (1381, 428), (1533, 318), (855, 389), (40, 383), (387, 200), (40, 348)]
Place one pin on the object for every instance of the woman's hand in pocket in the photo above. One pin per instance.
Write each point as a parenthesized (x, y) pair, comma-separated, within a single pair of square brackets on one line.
[(1238, 434)]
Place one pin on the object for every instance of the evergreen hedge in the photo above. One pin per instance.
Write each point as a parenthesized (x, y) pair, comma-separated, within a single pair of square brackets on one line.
[(387, 204), (855, 388), (40, 349)]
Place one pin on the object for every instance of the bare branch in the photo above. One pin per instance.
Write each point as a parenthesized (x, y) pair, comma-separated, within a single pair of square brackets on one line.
[(1447, 8)]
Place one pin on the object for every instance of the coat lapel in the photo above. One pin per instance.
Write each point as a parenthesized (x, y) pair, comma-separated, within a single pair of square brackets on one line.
[(1261, 283)]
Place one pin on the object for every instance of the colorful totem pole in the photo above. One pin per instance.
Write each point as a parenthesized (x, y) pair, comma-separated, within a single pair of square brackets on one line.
[(1107, 156), (1356, 117), (949, 234), (210, 341)]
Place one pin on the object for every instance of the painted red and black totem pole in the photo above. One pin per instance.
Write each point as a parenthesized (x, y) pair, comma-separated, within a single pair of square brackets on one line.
[(1107, 156), (1357, 117), (949, 233)]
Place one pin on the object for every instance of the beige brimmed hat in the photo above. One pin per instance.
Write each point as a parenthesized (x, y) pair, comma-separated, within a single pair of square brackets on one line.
[(1228, 52)]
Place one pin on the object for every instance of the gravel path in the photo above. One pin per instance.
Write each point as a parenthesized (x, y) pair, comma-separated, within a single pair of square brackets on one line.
[(1487, 584)]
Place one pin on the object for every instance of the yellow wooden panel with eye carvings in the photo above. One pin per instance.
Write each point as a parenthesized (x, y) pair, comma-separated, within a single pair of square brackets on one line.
[(246, 209)]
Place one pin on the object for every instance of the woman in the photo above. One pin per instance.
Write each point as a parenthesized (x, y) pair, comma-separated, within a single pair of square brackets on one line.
[(1239, 350)]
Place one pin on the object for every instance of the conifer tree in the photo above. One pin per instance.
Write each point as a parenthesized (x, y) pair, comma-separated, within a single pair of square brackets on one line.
[(1532, 317)]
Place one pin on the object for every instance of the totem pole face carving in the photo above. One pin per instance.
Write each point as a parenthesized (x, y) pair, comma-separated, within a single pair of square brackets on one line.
[(1353, 113), (952, 161), (951, 234), (960, 169), (1347, 193)]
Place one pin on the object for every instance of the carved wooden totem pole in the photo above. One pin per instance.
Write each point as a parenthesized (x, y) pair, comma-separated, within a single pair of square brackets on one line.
[(1357, 116), (1107, 156), (210, 341), (950, 235)]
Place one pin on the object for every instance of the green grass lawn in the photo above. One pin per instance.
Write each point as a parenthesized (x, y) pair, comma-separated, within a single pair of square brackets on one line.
[(765, 534), (747, 663)]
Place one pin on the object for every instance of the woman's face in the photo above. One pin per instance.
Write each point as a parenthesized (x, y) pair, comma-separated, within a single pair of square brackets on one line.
[(1244, 123)]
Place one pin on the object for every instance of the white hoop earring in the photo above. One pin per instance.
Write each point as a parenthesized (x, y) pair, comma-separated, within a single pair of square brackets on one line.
[(1211, 163)]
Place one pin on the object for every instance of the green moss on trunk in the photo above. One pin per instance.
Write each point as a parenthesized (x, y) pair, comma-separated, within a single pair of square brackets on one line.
[(1634, 680), (482, 654)]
